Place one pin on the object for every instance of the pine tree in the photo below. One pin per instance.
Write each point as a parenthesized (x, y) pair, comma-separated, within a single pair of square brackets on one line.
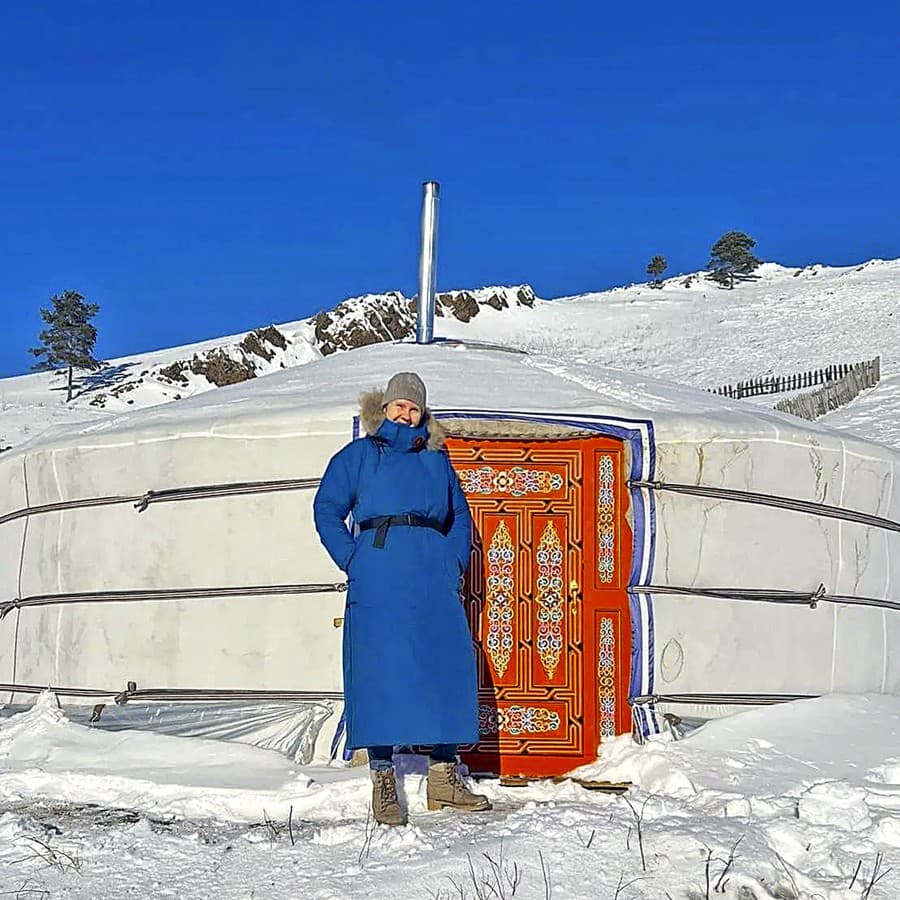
[(656, 267), (730, 256), (68, 341)]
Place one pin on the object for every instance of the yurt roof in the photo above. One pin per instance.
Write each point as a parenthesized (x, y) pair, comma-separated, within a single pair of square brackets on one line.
[(464, 376)]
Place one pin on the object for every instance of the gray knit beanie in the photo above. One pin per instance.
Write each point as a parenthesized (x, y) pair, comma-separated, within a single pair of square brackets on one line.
[(405, 386)]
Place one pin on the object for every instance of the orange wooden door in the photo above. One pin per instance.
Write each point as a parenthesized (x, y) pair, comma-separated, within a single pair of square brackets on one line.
[(546, 599)]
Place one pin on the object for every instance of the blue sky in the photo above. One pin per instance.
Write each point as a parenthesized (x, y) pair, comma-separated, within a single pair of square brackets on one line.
[(201, 168)]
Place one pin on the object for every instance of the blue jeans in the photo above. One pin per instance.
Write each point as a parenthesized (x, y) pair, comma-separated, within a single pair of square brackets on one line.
[(382, 758)]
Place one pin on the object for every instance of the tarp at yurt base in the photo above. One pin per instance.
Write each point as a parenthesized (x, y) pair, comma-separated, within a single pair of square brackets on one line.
[(640, 548)]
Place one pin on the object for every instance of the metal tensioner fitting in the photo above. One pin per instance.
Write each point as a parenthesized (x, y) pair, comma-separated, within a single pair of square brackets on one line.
[(817, 596)]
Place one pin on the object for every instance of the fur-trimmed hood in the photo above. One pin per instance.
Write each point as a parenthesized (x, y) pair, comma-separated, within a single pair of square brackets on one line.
[(371, 415)]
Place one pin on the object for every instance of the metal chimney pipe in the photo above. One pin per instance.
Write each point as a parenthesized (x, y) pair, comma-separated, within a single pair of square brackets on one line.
[(427, 263)]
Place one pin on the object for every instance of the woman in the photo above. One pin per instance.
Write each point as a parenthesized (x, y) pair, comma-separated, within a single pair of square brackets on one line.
[(409, 667)]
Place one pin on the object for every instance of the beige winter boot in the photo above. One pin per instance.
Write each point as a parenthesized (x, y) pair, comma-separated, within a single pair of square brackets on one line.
[(445, 788), (385, 803)]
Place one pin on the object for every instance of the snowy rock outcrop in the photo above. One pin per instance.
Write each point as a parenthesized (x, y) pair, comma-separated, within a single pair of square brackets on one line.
[(374, 318)]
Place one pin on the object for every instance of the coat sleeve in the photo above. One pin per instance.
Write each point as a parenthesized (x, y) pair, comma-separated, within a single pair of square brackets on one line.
[(460, 533), (334, 500)]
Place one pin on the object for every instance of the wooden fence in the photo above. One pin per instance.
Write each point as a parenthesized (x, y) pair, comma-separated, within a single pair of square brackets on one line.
[(833, 394), (781, 384)]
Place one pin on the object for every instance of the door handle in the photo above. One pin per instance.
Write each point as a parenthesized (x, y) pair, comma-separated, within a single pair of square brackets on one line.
[(575, 596)]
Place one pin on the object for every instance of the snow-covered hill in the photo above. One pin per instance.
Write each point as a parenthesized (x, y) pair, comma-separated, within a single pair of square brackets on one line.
[(694, 332), (690, 330), (30, 404)]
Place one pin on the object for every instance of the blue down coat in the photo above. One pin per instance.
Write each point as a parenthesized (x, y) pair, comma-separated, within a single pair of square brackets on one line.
[(409, 664)]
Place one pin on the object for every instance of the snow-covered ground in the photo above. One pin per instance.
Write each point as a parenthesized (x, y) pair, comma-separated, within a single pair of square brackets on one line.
[(875, 414), (799, 800)]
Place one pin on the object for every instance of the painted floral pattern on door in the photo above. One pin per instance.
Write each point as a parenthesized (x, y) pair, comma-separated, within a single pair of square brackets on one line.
[(606, 519), (513, 480), (515, 720), (499, 602), (606, 678), (549, 598)]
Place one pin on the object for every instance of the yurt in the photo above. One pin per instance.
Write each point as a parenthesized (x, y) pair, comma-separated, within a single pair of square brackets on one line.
[(640, 550)]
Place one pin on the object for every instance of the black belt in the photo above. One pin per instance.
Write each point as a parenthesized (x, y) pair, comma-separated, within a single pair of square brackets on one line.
[(381, 524)]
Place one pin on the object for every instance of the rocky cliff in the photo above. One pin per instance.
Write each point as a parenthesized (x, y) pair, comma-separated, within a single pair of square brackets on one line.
[(389, 317)]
